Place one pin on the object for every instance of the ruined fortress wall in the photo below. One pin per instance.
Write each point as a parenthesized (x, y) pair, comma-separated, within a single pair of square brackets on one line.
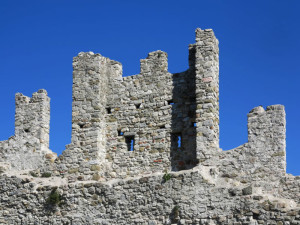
[(128, 134), (155, 120), (33, 116), (154, 108), (87, 151), (188, 197), (29, 147), (267, 137), (204, 58), (151, 122), (263, 157), (139, 119)]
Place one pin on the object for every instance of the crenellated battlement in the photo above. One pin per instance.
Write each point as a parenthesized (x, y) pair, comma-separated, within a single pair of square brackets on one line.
[(32, 116), (156, 63), (151, 122), (145, 150), (29, 147)]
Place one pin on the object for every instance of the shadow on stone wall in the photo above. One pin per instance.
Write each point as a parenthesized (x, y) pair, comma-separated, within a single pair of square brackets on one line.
[(183, 126)]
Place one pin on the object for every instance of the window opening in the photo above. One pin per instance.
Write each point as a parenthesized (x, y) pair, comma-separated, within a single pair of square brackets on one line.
[(120, 133), (162, 127), (138, 105), (177, 140), (130, 143), (194, 124), (108, 110), (171, 102)]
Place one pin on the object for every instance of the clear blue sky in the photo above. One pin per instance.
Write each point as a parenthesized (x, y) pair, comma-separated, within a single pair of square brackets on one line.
[(259, 54)]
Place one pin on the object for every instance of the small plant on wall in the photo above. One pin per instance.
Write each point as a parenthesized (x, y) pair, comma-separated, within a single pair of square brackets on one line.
[(54, 200), (174, 216), (46, 174), (167, 176)]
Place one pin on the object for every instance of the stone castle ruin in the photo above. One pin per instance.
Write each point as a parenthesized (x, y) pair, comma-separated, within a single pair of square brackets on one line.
[(145, 150)]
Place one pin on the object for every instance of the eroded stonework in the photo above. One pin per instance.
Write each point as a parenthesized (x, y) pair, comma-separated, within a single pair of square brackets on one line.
[(145, 150)]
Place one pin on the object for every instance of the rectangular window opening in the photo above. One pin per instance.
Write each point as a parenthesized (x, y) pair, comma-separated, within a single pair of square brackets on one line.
[(162, 126), (170, 102), (120, 133), (108, 110), (130, 143)]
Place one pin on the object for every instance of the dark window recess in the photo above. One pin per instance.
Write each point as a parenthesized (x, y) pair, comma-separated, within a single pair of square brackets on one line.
[(138, 105), (130, 143), (26, 130), (194, 124), (162, 127), (170, 102), (120, 133), (177, 139), (108, 110), (255, 216)]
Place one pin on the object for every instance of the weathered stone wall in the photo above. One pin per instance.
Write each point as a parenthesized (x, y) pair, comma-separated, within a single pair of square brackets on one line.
[(154, 108), (267, 138), (264, 153), (154, 121), (188, 197), (33, 116), (204, 59), (90, 86), (29, 147), (128, 134)]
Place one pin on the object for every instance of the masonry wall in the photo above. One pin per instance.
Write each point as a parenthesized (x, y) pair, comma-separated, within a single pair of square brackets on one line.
[(87, 151), (204, 63), (145, 150), (155, 108), (32, 116), (29, 147), (188, 197), (128, 126), (153, 121), (263, 157), (267, 137)]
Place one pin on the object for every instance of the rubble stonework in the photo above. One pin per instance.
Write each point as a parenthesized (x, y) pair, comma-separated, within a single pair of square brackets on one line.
[(29, 147), (145, 150)]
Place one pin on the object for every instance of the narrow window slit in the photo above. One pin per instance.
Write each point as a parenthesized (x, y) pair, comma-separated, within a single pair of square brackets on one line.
[(177, 140), (162, 126), (120, 133), (130, 143)]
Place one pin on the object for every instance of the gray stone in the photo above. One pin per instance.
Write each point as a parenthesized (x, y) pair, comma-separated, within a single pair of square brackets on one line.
[(98, 179)]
